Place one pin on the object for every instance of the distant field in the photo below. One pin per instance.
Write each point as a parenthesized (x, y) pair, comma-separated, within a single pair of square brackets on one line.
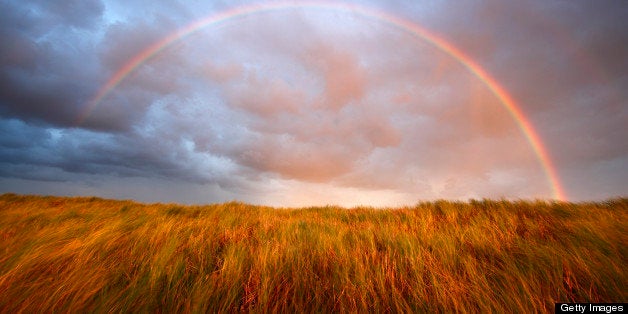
[(90, 254)]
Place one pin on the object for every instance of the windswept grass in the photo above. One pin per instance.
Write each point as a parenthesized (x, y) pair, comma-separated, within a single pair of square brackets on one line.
[(95, 255)]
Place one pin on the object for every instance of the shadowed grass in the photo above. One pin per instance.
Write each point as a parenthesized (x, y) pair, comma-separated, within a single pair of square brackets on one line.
[(95, 255)]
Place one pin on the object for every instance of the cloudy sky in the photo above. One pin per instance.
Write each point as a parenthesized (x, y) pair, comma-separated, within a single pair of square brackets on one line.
[(310, 105)]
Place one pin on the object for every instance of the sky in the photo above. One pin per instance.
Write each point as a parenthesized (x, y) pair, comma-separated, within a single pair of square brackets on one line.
[(341, 103)]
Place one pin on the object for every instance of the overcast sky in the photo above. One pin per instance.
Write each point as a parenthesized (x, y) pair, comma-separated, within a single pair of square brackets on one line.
[(312, 106)]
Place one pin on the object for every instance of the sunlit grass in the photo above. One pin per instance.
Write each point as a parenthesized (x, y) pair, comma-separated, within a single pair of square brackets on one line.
[(95, 255)]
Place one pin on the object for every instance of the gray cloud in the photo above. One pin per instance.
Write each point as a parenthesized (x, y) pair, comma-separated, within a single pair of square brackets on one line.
[(312, 103), (45, 62)]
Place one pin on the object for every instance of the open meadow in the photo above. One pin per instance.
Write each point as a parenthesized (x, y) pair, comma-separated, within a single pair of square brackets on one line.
[(94, 255)]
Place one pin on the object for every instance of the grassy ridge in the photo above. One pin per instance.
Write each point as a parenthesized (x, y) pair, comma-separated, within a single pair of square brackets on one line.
[(90, 254)]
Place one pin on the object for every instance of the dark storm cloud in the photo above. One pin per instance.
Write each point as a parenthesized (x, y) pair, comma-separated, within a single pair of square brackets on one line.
[(75, 13), (313, 103), (54, 60), (55, 57), (31, 152), (44, 61)]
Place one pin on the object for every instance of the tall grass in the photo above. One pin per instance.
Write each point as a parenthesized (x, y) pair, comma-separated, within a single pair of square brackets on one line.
[(95, 255)]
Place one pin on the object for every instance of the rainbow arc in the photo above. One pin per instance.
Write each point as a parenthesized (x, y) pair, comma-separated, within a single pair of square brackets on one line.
[(500, 92)]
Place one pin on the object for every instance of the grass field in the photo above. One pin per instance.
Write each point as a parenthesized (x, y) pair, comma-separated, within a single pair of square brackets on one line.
[(89, 254)]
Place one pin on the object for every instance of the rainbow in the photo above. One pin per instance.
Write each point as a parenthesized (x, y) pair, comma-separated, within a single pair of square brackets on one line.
[(508, 102)]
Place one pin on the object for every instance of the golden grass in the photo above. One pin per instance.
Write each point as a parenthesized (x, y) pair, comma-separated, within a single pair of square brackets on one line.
[(95, 255)]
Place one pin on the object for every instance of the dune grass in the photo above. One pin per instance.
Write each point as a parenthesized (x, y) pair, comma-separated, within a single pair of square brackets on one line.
[(95, 255)]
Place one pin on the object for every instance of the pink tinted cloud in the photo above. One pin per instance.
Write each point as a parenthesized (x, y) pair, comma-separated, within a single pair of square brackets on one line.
[(344, 77)]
